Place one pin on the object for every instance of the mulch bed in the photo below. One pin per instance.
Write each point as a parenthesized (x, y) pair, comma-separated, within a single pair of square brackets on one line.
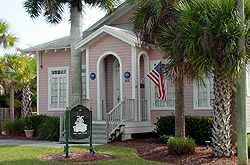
[(155, 150), (77, 156), (150, 149)]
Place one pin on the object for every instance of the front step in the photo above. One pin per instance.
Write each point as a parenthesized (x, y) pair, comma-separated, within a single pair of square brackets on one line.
[(98, 134)]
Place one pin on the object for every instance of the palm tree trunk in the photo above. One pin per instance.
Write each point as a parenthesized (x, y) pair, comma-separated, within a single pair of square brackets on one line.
[(179, 109), (221, 137), (12, 94), (26, 101), (76, 57)]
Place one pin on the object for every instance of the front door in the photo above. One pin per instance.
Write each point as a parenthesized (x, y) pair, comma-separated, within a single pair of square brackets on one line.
[(116, 83)]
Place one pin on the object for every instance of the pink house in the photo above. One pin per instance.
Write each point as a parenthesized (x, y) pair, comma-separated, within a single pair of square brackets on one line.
[(114, 62)]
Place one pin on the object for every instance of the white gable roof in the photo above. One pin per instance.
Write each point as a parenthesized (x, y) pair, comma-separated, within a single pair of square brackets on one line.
[(55, 44), (122, 34)]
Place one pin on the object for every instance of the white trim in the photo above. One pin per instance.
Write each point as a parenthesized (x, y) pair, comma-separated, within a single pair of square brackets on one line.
[(87, 72), (114, 82), (99, 62), (133, 67), (146, 80), (248, 80), (111, 31), (67, 87), (195, 97), (37, 81), (84, 74)]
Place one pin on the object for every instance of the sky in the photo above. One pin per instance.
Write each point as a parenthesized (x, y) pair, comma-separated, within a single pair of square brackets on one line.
[(32, 32)]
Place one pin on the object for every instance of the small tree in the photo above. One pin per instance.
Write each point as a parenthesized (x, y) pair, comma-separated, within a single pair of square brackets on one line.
[(7, 39)]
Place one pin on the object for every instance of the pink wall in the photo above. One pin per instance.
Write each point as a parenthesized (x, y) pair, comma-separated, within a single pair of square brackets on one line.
[(105, 44), (109, 60), (51, 59), (248, 110), (123, 19), (155, 54)]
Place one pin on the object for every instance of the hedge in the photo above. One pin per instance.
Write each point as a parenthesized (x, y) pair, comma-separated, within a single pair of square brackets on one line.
[(197, 127)]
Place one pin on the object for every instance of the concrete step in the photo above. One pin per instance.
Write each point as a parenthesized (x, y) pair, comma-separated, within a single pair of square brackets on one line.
[(98, 135)]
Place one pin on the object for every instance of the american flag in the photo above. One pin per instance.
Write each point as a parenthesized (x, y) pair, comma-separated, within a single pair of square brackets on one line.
[(156, 76)]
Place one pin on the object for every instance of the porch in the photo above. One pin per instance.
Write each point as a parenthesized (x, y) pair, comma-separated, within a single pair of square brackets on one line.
[(126, 118)]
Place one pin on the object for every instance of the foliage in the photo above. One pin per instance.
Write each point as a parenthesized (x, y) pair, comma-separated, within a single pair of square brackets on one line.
[(13, 127), (197, 127), (49, 129), (6, 38), (53, 10), (181, 146), (165, 138), (165, 125), (34, 122)]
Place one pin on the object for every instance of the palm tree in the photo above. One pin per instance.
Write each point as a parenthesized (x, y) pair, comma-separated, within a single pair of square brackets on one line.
[(6, 39), (53, 11), (28, 74), (208, 33), (11, 75), (148, 19)]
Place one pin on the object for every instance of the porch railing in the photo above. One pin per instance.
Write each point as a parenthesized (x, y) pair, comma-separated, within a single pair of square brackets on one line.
[(116, 117)]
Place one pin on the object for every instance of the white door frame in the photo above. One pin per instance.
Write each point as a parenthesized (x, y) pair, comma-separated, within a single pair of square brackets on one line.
[(147, 87), (101, 81), (116, 81)]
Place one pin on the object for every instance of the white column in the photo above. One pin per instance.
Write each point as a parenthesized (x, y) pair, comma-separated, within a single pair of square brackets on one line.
[(87, 73), (133, 67), (37, 80)]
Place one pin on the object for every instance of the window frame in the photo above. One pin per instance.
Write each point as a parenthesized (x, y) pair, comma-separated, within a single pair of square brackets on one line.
[(152, 86), (50, 69), (248, 80), (195, 95), (84, 74)]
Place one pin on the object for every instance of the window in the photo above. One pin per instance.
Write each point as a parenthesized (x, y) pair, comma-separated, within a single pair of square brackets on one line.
[(170, 92), (84, 96), (248, 80), (58, 88), (203, 94)]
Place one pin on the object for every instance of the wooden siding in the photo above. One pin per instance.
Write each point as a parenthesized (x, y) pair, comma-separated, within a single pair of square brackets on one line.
[(142, 74), (105, 44), (109, 61), (84, 57), (155, 54), (51, 59), (248, 110), (124, 19)]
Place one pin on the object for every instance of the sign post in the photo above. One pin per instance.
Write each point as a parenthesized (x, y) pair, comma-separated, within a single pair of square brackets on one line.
[(66, 148), (79, 126)]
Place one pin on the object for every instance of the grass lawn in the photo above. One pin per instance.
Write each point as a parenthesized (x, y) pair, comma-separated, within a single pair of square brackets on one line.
[(30, 155)]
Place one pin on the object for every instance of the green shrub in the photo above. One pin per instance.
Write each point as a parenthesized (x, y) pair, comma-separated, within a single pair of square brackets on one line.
[(181, 146), (49, 129), (165, 138), (34, 122), (13, 127), (197, 127), (165, 125)]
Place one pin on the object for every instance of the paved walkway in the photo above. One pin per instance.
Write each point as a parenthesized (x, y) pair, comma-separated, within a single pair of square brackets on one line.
[(38, 143)]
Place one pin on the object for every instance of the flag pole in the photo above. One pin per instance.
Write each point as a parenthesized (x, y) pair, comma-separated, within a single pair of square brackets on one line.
[(140, 81), (145, 76)]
